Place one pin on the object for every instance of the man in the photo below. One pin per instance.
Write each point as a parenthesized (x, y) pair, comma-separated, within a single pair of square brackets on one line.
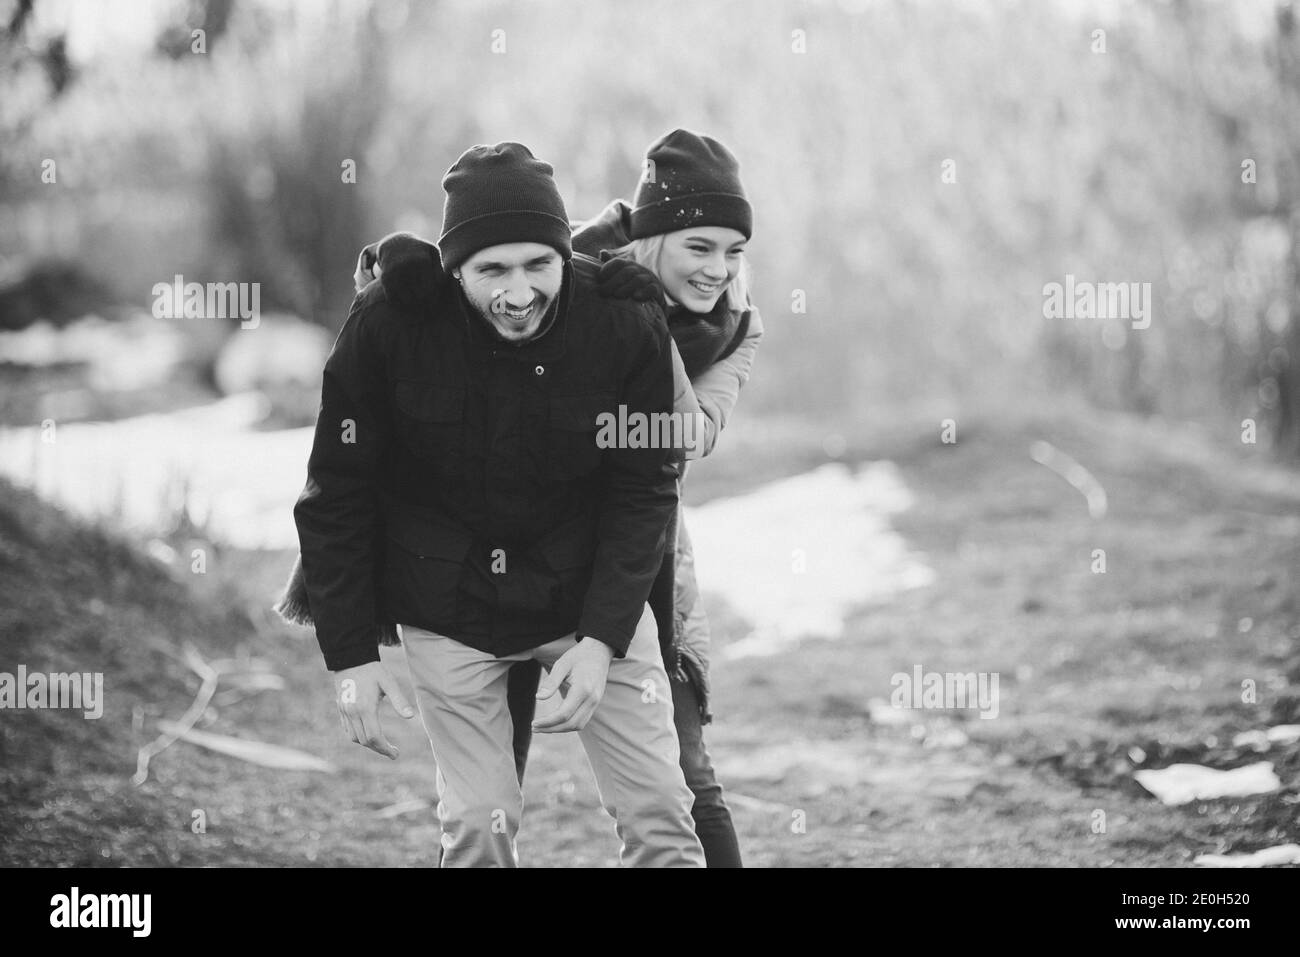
[(455, 486)]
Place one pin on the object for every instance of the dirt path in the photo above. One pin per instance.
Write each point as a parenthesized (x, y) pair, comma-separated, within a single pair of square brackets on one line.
[(1099, 674)]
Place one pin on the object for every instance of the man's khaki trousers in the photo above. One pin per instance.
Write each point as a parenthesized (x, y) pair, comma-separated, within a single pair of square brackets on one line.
[(630, 742)]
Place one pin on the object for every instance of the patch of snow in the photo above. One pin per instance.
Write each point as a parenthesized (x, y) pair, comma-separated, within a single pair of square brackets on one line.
[(1282, 734), (1184, 783), (882, 712), (1266, 857), (284, 351), (798, 555), (946, 738), (136, 353), (141, 471)]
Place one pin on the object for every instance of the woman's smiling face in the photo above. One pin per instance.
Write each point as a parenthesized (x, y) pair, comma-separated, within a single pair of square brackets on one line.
[(696, 265)]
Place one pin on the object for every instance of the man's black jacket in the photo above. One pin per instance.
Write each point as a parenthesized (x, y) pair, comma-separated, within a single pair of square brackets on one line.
[(456, 484)]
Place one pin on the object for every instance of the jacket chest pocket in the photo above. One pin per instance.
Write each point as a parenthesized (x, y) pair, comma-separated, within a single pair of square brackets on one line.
[(431, 423), (574, 434)]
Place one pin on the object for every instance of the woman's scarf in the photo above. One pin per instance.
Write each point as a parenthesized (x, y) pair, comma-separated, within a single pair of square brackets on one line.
[(706, 338)]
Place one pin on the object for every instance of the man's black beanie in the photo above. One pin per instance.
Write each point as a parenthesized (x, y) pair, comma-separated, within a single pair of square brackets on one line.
[(500, 194), (689, 180)]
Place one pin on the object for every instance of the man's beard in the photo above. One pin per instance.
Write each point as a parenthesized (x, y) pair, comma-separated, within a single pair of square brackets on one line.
[(513, 330)]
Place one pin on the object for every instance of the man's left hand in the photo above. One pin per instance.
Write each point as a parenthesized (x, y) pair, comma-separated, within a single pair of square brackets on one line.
[(583, 669)]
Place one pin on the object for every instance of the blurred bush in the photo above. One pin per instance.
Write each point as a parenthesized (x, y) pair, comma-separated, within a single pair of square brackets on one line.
[(55, 291)]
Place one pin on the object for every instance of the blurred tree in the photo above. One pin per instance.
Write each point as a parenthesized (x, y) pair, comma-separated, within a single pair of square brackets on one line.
[(881, 281), (284, 209), (1284, 365), (212, 16), (25, 60)]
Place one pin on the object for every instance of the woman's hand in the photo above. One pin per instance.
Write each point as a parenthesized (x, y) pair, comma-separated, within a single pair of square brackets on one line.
[(624, 279), (409, 268)]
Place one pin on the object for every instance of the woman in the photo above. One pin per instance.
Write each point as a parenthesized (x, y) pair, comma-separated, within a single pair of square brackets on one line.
[(692, 181), (688, 224)]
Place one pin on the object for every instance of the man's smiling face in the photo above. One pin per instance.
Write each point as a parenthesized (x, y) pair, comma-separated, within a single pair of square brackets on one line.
[(512, 286)]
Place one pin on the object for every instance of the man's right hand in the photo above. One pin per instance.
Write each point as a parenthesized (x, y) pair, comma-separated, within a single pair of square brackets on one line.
[(359, 690), (409, 268)]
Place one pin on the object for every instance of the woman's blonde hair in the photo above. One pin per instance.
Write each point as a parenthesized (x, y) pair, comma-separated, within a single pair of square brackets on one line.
[(645, 252)]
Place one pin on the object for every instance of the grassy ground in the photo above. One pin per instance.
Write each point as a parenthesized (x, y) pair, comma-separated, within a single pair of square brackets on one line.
[(1100, 674)]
